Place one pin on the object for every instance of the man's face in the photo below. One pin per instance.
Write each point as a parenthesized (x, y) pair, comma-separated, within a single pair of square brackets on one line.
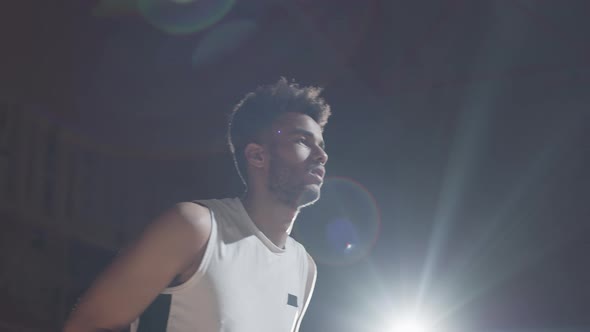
[(297, 158)]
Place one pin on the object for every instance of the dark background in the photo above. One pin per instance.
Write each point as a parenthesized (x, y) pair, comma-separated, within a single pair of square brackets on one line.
[(464, 122)]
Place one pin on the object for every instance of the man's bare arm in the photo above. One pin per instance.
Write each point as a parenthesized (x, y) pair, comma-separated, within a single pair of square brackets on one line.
[(169, 246)]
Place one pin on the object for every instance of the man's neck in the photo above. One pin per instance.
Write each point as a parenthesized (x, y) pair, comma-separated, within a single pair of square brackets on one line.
[(273, 218)]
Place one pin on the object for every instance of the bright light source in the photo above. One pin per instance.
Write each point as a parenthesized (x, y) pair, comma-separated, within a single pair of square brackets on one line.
[(410, 323)]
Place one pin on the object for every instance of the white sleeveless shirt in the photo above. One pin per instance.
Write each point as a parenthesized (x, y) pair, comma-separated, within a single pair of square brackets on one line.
[(245, 283)]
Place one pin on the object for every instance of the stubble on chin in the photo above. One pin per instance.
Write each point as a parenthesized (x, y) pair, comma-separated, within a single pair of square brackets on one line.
[(308, 197), (291, 194)]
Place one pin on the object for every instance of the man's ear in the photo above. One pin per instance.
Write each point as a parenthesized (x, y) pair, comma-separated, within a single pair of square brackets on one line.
[(255, 155)]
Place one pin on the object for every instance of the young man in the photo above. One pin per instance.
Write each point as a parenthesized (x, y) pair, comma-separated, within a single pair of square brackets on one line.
[(229, 264)]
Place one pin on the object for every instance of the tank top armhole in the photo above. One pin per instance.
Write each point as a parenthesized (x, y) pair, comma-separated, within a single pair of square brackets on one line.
[(304, 260), (209, 248), (305, 267)]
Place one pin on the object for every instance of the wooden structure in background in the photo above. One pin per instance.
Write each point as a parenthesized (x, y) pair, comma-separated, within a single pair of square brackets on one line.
[(67, 205)]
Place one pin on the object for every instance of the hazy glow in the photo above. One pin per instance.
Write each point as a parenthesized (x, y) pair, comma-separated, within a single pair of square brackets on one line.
[(411, 323), (183, 16), (343, 227)]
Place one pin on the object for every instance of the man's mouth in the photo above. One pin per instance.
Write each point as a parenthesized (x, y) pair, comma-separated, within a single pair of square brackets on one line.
[(319, 171)]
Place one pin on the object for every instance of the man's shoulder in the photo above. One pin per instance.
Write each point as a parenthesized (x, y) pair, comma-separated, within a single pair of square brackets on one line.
[(212, 203), (304, 256), (296, 246), (185, 217), (189, 211)]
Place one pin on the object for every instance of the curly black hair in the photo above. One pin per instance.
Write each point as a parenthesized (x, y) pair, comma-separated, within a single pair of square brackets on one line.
[(259, 109)]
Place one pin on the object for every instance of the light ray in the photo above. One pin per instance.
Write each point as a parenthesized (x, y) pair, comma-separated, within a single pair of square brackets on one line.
[(503, 43)]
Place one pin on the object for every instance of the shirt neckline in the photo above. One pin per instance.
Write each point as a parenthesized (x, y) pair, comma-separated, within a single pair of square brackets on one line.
[(259, 234)]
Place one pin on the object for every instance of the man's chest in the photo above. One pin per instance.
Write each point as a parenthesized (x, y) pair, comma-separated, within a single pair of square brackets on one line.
[(266, 295)]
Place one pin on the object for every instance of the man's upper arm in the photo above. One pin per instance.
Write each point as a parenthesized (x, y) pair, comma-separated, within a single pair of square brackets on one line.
[(165, 249), (309, 286)]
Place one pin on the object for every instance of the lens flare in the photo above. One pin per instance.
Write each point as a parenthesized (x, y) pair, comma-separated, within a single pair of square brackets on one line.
[(222, 40), (343, 226), (184, 16), (410, 324)]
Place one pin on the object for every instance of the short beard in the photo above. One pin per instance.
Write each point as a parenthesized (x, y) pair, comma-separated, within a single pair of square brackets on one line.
[(308, 196), (288, 193)]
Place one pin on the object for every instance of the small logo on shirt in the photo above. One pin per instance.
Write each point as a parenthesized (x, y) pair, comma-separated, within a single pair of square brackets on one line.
[(292, 300)]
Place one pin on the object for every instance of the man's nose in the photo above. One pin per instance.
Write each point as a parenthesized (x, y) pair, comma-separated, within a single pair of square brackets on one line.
[(322, 156)]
